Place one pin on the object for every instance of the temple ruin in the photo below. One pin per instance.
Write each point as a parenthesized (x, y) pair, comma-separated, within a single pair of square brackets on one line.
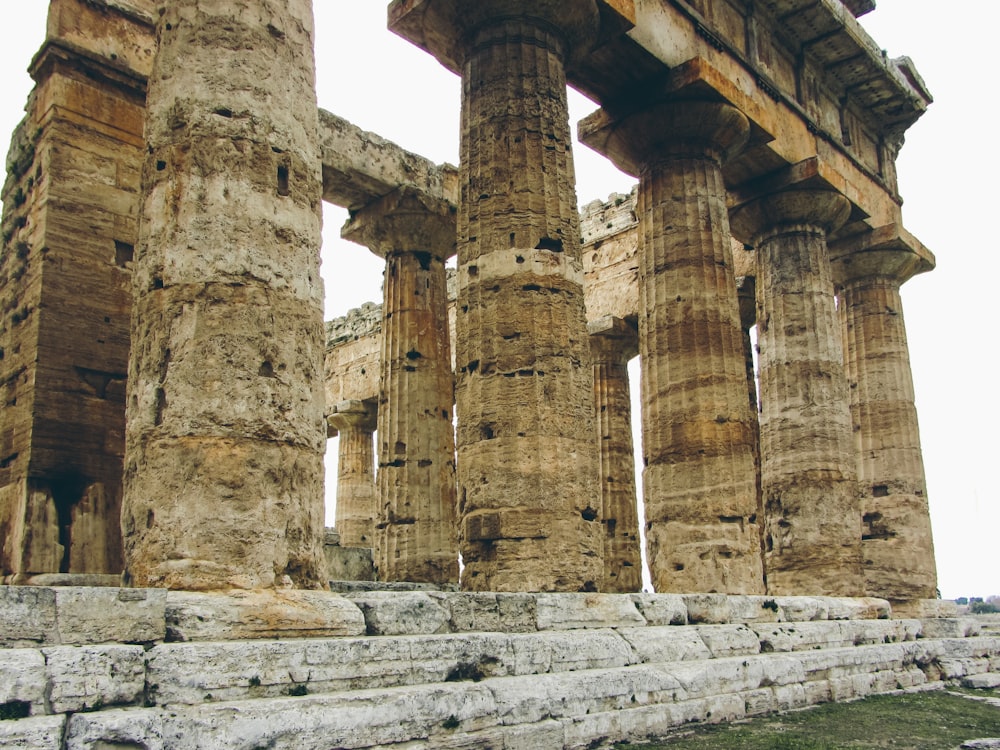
[(168, 381)]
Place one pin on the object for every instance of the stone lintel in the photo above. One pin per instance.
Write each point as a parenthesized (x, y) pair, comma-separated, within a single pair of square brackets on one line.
[(884, 251), (618, 332), (443, 27), (406, 219), (359, 167)]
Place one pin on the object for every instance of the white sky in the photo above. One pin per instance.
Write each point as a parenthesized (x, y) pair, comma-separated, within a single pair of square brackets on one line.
[(382, 84)]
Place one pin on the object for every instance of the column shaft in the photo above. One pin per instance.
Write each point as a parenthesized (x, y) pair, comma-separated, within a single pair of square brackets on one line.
[(355, 514), (896, 542), (812, 532), (225, 433), (416, 531), (698, 431), (616, 455), (527, 460)]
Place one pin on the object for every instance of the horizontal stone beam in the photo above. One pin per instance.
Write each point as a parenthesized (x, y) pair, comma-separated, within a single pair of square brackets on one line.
[(359, 167)]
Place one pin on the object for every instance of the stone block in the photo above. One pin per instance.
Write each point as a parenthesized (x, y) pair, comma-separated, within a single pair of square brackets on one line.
[(283, 613), (27, 616), (402, 613), (665, 644), (861, 608), (799, 636), (572, 611), (563, 652), (753, 609), (661, 609), (507, 613), (92, 677), (950, 627), (802, 608), (35, 733), (349, 563), (924, 608), (22, 679), (110, 615), (707, 609), (115, 729), (984, 681), (729, 640)]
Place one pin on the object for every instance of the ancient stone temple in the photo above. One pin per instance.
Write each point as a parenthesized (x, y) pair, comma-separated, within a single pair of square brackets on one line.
[(767, 201)]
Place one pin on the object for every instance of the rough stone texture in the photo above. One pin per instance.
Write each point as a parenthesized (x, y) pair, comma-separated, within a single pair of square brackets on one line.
[(353, 348), (347, 563), (699, 482), (812, 520), (36, 733), (225, 433), (401, 613), (115, 729), (896, 543), (23, 680), (355, 423), (91, 677), (527, 461), (70, 203), (567, 611), (613, 342), (260, 614), (415, 519)]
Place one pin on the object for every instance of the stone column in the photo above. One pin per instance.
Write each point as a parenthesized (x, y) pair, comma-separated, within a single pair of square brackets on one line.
[(527, 460), (613, 342), (896, 543), (415, 528), (812, 524), (225, 430), (354, 421), (698, 430)]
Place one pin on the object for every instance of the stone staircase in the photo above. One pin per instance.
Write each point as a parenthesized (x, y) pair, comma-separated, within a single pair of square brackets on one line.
[(130, 668)]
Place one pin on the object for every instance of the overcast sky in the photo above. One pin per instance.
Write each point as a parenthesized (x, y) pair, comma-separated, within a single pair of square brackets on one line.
[(382, 84)]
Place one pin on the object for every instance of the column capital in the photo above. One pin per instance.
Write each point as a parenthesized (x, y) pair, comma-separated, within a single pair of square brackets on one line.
[(446, 28), (358, 415), (642, 135), (613, 338), (888, 251), (405, 220), (809, 207)]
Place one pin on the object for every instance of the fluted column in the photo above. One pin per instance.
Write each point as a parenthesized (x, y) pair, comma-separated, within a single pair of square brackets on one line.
[(225, 430), (698, 429), (896, 543), (415, 528), (613, 342), (812, 524), (527, 460), (354, 421)]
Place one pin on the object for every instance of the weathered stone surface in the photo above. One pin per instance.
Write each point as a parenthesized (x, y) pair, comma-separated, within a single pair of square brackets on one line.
[(707, 608), (27, 616), (570, 611), (355, 424), (225, 433), (106, 615), (729, 640), (114, 729), (509, 613), (348, 564), (666, 644), (90, 677), (23, 678), (260, 614), (662, 609), (699, 482), (986, 681), (613, 342), (950, 627), (896, 538), (415, 515), (803, 608), (812, 520), (527, 461), (401, 613), (36, 733), (925, 608)]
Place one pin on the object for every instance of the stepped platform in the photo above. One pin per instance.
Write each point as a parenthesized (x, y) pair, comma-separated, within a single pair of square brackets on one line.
[(102, 667)]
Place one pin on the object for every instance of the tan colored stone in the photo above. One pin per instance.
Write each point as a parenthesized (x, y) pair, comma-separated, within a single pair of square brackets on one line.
[(225, 426), (698, 483), (415, 520), (812, 522), (613, 342), (527, 461), (896, 542), (355, 424)]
